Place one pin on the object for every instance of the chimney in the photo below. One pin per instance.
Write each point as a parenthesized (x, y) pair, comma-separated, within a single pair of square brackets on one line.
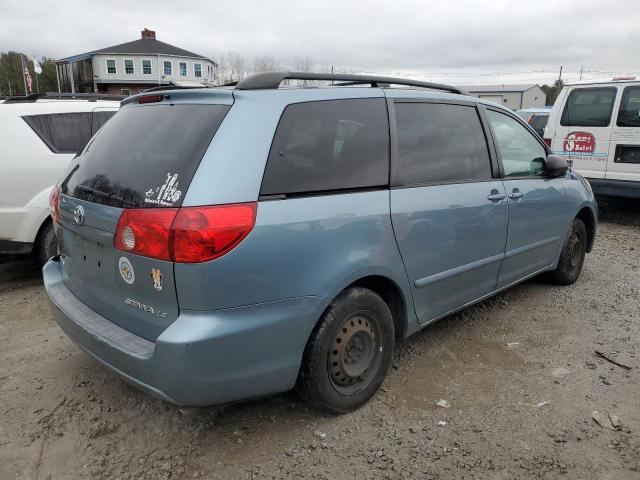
[(148, 34)]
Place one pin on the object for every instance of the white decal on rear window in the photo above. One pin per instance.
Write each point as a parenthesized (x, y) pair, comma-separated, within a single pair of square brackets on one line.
[(166, 194)]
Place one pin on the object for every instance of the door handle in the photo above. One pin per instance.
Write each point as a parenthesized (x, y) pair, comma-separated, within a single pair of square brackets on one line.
[(496, 197), (516, 194)]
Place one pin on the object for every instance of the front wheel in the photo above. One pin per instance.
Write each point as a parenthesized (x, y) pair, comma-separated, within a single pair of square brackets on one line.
[(572, 255), (349, 352)]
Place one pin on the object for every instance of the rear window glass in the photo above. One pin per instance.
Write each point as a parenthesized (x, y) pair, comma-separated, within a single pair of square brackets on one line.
[(440, 143), (145, 156), (329, 145), (629, 114), (627, 154), (588, 107), (538, 122), (67, 132)]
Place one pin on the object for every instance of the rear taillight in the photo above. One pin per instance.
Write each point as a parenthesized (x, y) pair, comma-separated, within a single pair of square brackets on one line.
[(185, 235), (54, 204), (146, 232), (547, 142)]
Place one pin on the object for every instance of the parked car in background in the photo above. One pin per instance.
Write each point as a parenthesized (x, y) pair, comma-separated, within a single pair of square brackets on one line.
[(536, 117), (597, 127), (39, 135), (228, 243)]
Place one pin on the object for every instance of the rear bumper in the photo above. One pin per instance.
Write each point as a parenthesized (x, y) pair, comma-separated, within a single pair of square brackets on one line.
[(204, 357), (615, 188)]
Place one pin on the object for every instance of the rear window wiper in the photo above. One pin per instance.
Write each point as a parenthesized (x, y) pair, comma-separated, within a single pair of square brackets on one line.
[(110, 196)]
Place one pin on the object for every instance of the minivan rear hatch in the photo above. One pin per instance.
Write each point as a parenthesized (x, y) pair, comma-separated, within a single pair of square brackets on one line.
[(144, 158)]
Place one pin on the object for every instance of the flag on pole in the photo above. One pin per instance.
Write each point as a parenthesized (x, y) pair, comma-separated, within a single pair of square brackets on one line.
[(27, 77), (36, 66)]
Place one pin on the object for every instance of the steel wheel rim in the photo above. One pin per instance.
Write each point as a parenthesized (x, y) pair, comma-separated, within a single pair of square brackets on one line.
[(355, 353), (575, 250)]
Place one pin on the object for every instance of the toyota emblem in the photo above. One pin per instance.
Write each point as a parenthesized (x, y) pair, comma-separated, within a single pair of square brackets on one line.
[(78, 215)]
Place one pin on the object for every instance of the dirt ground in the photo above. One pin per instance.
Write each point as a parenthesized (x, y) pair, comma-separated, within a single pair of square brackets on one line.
[(519, 370)]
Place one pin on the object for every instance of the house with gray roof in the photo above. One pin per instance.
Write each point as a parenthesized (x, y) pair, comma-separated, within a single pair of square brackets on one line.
[(133, 67), (515, 97)]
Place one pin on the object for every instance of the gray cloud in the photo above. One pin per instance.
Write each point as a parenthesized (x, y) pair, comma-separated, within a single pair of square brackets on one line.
[(460, 40)]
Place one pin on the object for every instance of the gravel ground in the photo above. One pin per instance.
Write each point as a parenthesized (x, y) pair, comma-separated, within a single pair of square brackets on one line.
[(519, 370)]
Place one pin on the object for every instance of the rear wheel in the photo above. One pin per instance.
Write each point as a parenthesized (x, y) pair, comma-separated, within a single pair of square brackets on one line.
[(572, 256), (349, 352), (46, 246)]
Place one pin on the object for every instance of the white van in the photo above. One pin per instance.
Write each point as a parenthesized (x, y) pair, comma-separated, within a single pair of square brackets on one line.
[(597, 126), (39, 135)]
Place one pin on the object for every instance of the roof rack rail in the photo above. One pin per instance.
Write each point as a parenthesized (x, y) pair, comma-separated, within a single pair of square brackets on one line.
[(65, 96), (170, 87), (272, 80)]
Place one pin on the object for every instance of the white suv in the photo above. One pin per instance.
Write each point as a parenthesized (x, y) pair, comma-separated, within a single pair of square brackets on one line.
[(39, 135), (597, 126)]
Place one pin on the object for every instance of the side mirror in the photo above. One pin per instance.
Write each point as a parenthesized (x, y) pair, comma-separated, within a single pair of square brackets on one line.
[(555, 166)]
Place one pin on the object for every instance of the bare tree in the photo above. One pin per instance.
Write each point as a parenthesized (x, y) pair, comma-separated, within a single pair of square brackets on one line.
[(265, 63), (231, 68)]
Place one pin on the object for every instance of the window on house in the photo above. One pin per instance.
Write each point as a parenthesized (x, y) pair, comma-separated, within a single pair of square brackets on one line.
[(111, 66), (146, 67), (167, 67), (183, 69), (329, 145), (128, 67), (197, 69), (125, 91)]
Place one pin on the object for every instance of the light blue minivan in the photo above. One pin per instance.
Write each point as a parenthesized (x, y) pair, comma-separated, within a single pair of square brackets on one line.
[(220, 244)]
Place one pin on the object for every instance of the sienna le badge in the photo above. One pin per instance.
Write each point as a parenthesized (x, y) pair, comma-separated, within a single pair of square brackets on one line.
[(126, 270), (156, 276)]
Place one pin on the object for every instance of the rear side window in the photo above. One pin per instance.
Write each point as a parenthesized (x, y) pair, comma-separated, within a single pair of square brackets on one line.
[(627, 154), (588, 107), (62, 132), (629, 114), (99, 119), (440, 143), (145, 156), (538, 122), (329, 145)]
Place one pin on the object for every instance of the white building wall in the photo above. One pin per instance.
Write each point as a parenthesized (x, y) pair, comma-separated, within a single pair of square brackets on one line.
[(534, 98), (157, 69), (506, 99)]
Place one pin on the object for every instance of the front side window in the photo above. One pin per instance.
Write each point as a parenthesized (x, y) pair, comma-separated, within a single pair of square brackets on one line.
[(329, 145), (111, 66), (197, 69), (167, 67), (588, 107), (183, 69), (62, 132), (146, 67), (440, 143), (521, 154), (128, 67), (629, 114)]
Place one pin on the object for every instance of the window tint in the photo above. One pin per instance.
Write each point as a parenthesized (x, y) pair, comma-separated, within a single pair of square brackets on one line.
[(440, 143), (146, 67), (99, 119), (329, 145), (128, 67), (521, 154), (145, 156), (111, 66), (588, 107), (62, 132), (538, 122), (627, 154), (629, 114)]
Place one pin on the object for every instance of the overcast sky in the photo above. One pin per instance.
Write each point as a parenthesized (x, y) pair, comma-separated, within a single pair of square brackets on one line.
[(457, 41)]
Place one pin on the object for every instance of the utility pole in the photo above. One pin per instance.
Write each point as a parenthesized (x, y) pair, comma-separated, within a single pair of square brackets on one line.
[(560, 76), (581, 69)]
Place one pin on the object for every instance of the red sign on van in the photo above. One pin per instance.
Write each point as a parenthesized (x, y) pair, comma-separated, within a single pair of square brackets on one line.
[(580, 142)]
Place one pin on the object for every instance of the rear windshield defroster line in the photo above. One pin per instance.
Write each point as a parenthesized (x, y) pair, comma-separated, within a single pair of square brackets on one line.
[(145, 156)]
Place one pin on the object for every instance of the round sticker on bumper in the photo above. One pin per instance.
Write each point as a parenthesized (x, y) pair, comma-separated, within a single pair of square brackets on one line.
[(126, 270)]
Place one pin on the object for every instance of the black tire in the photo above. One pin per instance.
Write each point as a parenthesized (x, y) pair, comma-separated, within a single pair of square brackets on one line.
[(46, 246), (348, 353), (572, 256)]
